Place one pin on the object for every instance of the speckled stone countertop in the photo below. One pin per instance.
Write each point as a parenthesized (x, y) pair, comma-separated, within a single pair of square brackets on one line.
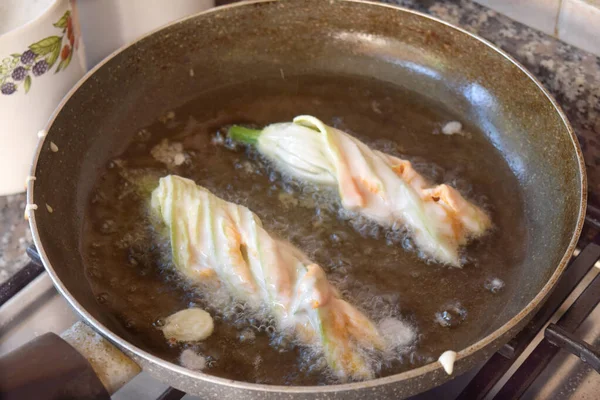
[(14, 235), (571, 75)]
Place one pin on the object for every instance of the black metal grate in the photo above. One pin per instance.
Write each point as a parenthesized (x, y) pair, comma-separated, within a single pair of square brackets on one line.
[(171, 394), (556, 337), (23, 277)]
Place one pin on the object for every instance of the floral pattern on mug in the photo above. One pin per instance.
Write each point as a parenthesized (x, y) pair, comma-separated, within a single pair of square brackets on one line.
[(17, 70)]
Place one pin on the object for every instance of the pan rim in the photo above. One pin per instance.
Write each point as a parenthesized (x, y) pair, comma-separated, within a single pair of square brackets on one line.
[(425, 369)]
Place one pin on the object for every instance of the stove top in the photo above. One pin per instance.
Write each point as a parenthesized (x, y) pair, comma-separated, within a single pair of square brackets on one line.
[(545, 360)]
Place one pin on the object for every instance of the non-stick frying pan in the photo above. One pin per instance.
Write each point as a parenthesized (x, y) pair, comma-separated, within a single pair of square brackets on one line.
[(256, 41)]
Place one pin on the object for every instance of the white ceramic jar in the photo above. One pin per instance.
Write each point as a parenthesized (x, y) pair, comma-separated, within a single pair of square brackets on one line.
[(111, 24), (41, 58)]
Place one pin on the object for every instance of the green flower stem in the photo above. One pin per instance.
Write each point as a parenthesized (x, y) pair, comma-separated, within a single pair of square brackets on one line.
[(244, 135)]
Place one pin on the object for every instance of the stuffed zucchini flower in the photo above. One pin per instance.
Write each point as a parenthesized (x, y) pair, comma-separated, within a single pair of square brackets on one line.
[(212, 239), (383, 188)]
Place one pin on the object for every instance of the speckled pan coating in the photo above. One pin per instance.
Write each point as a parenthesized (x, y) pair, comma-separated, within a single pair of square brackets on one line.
[(256, 40)]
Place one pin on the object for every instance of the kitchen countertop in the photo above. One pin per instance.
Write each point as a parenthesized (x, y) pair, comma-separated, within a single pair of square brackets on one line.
[(571, 75), (14, 235)]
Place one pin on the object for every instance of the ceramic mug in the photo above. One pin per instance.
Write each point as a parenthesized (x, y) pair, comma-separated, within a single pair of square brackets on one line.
[(41, 58)]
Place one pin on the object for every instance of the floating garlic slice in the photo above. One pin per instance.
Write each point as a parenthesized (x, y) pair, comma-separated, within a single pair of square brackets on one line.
[(178, 159), (53, 147), (452, 128), (447, 360), (50, 209), (188, 325)]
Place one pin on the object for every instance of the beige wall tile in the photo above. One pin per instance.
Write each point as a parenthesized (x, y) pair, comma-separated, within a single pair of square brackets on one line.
[(579, 24), (539, 14)]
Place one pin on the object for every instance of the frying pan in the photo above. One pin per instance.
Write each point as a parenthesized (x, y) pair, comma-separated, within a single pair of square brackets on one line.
[(256, 41)]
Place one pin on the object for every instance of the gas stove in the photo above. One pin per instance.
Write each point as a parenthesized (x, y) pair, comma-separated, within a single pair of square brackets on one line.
[(557, 355)]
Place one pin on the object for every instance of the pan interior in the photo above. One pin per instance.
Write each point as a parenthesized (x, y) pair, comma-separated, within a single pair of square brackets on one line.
[(391, 78), (371, 266)]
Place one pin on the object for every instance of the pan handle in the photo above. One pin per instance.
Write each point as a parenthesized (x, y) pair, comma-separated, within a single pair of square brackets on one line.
[(48, 368), (112, 366), (78, 364)]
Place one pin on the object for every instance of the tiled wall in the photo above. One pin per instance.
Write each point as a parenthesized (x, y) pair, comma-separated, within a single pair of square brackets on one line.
[(575, 21)]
